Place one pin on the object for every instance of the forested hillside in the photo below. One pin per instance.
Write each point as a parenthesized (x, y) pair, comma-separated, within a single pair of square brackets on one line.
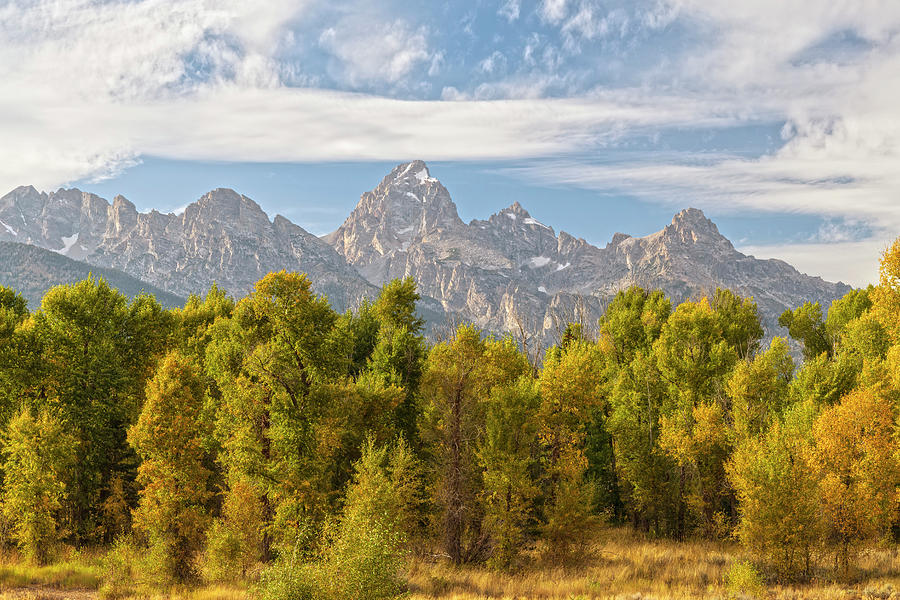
[(310, 454)]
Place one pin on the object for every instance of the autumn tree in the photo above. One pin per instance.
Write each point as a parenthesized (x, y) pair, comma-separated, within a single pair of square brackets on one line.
[(273, 363), (399, 352), (173, 479), (807, 325), (37, 456), (857, 465), (509, 456), (886, 295), (697, 349), (458, 379), (773, 473), (96, 353), (571, 391), (758, 389)]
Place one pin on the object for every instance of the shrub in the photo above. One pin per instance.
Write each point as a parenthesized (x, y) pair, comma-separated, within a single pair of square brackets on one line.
[(742, 580), (118, 571), (234, 542), (365, 556), (284, 580)]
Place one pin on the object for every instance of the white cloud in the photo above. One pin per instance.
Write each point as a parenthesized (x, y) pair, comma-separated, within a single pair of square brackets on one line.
[(375, 52), (87, 86), (510, 9), (493, 63), (554, 11), (854, 263)]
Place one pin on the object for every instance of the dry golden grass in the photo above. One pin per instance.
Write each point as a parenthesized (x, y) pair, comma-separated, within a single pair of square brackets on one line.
[(619, 564)]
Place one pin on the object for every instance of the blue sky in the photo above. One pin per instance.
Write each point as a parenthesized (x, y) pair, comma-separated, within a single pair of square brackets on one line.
[(778, 118)]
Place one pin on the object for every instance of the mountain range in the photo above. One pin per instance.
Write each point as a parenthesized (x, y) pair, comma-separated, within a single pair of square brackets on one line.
[(509, 272)]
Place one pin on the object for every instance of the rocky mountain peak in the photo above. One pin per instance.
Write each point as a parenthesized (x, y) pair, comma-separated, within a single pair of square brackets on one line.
[(690, 226), (515, 217), (414, 173), (121, 203), (224, 205), (407, 204)]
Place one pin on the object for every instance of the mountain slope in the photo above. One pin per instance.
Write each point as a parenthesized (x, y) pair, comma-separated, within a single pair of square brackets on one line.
[(223, 238), (511, 270), (508, 272), (32, 271)]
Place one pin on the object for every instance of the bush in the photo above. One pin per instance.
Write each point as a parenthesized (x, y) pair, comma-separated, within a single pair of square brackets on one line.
[(234, 542), (364, 559), (742, 580), (118, 569), (284, 580), (129, 567)]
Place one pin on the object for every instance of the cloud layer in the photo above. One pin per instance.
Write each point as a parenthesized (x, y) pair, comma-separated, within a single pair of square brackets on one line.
[(87, 87)]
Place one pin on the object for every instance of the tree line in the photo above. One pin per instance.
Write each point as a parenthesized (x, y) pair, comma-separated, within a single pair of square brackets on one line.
[(274, 431)]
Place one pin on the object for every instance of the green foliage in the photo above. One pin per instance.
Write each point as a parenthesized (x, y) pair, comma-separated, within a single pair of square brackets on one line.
[(37, 454), (777, 487), (758, 389), (633, 321), (365, 556), (234, 543), (742, 581), (508, 455), (459, 376), (571, 391), (93, 355), (169, 441), (273, 362), (805, 324), (396, 306)]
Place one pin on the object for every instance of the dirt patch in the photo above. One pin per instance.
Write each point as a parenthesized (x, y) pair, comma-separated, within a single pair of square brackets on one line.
[(38, 592)]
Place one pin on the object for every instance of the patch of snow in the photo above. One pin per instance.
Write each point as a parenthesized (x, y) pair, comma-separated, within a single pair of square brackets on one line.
[(413, 196), (538, 262), (68, 242), (9, 229), (405, 230), (424, 176), (542, 289), (510, 215), (565, 266), (530, 221)]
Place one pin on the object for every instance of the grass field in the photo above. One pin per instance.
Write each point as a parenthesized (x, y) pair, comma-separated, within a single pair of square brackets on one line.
[(619, 564)]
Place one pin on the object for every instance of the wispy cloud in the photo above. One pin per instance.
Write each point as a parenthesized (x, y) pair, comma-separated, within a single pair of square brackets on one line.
[(88, 86)]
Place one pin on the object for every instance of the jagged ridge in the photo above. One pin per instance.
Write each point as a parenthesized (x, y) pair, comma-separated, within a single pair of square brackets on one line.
[(509, 272)]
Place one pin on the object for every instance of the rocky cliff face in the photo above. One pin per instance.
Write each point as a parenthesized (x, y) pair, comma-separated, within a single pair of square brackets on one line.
[(223, 238), (509, 272)]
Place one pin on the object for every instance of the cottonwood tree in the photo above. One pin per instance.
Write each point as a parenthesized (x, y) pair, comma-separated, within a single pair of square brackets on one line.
[(37, 457), (776, 482), (509, 456), (857, 465), (168, 438), (571, 390), (458, 379)]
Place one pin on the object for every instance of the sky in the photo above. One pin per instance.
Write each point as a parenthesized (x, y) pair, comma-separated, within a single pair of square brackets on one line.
[(778, 118)]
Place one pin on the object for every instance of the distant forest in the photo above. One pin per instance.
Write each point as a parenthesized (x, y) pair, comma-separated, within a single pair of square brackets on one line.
[(276, 440)]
